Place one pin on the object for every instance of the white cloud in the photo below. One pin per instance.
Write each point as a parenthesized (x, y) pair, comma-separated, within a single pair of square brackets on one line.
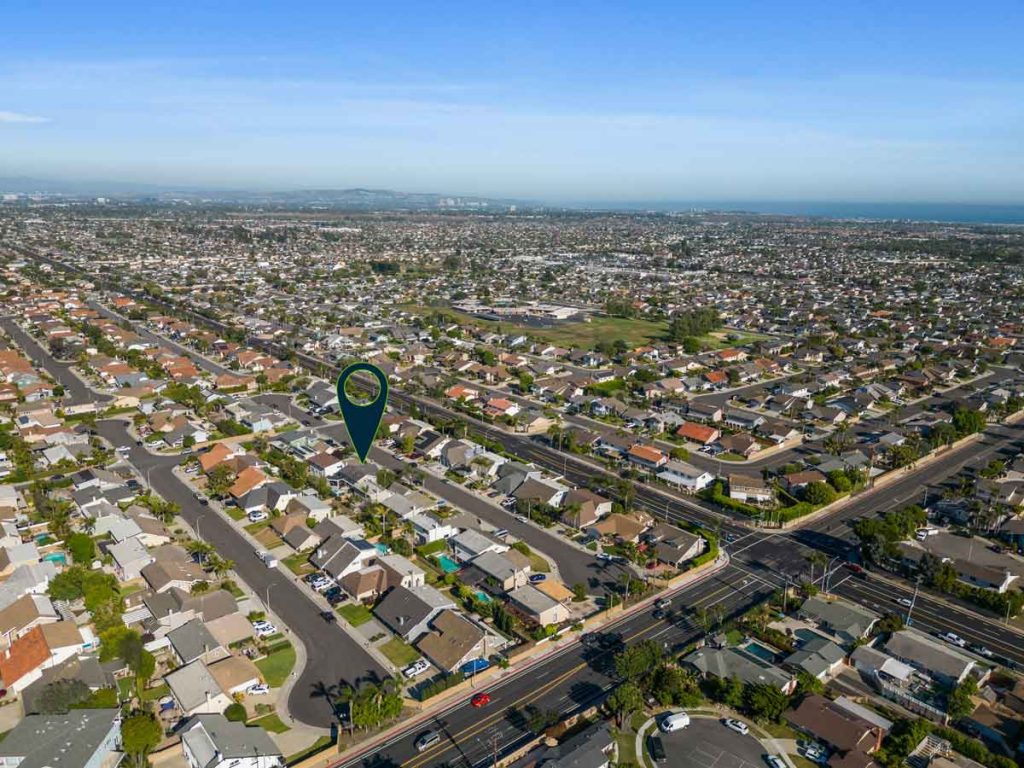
[(18, 117)]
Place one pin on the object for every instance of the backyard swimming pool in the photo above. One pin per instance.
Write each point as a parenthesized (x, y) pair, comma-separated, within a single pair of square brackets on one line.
[(760, 651), (447, 564)]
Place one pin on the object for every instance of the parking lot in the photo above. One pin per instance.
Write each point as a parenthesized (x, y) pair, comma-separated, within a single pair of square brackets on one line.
[(706, 743)]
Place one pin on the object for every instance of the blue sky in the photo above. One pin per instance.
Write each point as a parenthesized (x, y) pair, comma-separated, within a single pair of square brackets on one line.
[(881, 101)]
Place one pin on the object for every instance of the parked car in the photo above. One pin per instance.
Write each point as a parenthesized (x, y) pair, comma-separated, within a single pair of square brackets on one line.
[(257, 516), (417, 668), (264, 629), (774, 761), (674, 721), (474, 666), (259, 689), (266, 558), (656, 748), (604, 557), (736, 725), (537, 578)]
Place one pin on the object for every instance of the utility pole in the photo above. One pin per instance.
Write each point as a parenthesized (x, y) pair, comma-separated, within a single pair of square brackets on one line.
[(913, 601)]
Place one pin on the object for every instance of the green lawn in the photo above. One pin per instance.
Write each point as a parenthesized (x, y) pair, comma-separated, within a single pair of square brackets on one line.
[(399, 653), (626, 747), (299, 564), (270, 723), (235, 513), (320, 744), (276, 666), (538, 564), (355, 613), (634, 331), (152, 694)]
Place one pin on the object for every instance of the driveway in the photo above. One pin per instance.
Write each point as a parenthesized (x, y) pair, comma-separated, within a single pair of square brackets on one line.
[(706, 743)]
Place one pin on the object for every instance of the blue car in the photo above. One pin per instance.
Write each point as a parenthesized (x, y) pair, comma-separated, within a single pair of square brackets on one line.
[(474, 666)]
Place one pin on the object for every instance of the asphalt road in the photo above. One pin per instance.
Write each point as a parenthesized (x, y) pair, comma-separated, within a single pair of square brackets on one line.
[(570, 681), (706, 743), (333, 656)]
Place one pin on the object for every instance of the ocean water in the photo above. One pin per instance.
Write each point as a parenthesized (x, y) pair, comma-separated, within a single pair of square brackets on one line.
[(973, 213)]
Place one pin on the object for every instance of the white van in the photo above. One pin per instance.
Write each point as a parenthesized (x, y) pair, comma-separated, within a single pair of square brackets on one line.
[(266, 558), (674, 722)]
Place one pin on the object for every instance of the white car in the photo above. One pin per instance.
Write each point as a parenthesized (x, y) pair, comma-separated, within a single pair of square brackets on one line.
[(416, 668), (906, 602), (259, 689), (736, 725), (264, 628), (953, 639), (604, 557), (774, 761), (257, 516)]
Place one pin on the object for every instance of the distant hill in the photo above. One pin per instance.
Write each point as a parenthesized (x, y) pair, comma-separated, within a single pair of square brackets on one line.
[(352, 199)]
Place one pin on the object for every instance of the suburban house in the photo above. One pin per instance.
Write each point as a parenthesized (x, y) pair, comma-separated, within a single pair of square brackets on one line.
[(724, 663), (684, 475), (749, 489), (582, 507), (836, 727), (196, 690), (939, 661), (845, 621), (452, 640), (408, 612), (535, 606), (339, 556), (83, 737), (45, 646), (213, 741), (470, 544)]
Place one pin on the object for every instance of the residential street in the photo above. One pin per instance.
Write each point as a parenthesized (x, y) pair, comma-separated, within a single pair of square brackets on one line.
[(333, 656)]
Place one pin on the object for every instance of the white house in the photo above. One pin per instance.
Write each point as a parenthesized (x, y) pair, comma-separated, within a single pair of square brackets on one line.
[(685, 475), (213, 741)]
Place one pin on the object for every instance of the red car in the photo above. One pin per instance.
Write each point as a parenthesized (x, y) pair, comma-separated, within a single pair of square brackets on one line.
[(481, 700)]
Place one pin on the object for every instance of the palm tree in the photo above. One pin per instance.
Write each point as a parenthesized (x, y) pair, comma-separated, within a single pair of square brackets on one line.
[(200, 549), (816, 558)]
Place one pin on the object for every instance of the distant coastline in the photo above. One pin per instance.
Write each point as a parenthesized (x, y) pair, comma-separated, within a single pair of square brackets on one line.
[(967, 213)]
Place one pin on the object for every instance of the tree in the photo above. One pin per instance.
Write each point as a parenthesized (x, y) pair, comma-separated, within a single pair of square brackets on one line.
[(807, 684), (726, 690), (625, 700), (61, 695), (819, 494), (959, 703), (235, 713), (219, 480), (638, 662), (81, 547), (140, 734), (765, 702), (579, 592)]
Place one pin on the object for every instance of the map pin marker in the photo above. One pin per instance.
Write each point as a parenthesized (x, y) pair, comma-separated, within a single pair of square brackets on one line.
[(362, 420)]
